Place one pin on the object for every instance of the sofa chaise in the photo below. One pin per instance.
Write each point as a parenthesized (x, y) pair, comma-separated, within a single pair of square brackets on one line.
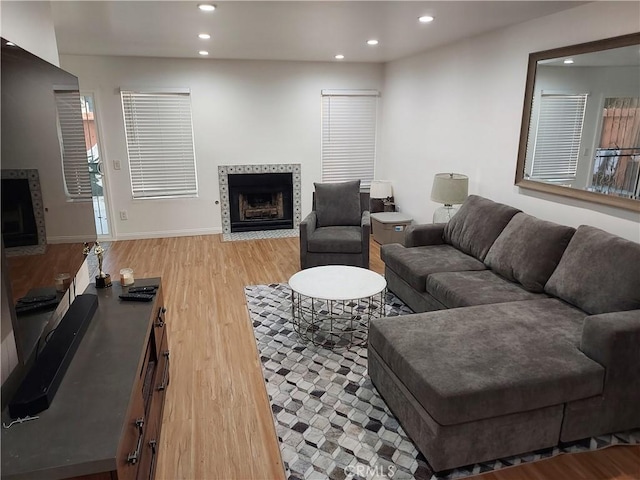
[(529, 335)]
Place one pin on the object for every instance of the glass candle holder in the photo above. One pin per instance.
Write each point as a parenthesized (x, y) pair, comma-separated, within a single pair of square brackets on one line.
[(126, 277)]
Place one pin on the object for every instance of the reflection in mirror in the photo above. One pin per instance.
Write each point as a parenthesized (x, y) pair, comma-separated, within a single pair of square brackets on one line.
[(47, 212), (581, 125)]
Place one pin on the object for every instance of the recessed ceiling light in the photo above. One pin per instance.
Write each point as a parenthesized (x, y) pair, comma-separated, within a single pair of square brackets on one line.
[(206, 7), (339, 57), (425, 19), (204, 36), (568, 61), (203, 52), (372, 42), (10, 44)]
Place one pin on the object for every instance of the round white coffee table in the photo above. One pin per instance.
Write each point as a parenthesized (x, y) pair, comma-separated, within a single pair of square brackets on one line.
[(332, 305)]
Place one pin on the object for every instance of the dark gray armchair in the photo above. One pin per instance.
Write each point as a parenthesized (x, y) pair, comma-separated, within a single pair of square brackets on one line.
[(337, 231)]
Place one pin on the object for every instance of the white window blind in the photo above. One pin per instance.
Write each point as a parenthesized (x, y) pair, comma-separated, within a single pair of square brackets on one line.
[(349, 136), (558, 137), (160, 144), (75, 164)]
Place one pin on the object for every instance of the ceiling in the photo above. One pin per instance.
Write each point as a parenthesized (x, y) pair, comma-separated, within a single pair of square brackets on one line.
[(275, 30)]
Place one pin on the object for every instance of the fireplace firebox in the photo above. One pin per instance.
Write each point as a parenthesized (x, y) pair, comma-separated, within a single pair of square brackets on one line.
[(18, 220), (261, 201)]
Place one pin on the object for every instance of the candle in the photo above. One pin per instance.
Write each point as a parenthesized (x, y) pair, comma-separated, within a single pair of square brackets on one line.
[(126, 277), (62, 281)]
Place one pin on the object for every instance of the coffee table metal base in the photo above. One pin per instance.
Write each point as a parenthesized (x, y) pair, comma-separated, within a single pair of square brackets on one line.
[(335, 323)]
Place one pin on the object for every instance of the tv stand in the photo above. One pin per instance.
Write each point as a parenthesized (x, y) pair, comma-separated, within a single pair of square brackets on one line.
[(106, 418)]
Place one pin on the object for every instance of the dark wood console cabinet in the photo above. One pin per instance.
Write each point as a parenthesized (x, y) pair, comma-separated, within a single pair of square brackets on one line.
[(105, 420)]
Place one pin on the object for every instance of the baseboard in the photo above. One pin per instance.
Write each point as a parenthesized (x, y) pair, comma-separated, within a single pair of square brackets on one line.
[(167, 233)]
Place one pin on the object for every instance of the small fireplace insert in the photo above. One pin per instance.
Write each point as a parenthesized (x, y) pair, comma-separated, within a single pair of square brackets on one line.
[(261, 201)]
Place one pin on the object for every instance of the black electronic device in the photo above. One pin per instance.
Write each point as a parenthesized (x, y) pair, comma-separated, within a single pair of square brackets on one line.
[(150, 289), (24, 308), (136, 297), (40, 385), (37, 298)]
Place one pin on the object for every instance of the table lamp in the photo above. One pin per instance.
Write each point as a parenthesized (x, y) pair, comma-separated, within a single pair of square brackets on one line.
[(449, 189), (382, 190)]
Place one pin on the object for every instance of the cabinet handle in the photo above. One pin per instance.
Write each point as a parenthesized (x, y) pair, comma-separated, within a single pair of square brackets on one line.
[(133, 457), (161, 313), (165, 373), (154, 451)]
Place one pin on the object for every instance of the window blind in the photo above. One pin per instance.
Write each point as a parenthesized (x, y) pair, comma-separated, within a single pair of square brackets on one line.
[(349, 137), (75, 164), (159, 144), (558, 138)]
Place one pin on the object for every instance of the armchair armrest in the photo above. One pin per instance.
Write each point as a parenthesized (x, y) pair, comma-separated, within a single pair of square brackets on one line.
[(365, 224), (307, 227), (612, 340), (424, 234)]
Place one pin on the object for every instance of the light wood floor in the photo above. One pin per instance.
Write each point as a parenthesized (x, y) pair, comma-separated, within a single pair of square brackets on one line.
[(217, 420)]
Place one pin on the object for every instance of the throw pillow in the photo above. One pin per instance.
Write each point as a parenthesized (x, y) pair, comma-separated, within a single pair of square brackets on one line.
[(528, 250), (598, 272), (338, 203)]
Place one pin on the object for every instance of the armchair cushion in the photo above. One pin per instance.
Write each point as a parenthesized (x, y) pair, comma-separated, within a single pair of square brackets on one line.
[(598, 272), (342, 239), (338, 204), (528, 251)]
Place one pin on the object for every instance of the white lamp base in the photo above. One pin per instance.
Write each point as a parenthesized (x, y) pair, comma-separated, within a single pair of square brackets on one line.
[(445, 213)]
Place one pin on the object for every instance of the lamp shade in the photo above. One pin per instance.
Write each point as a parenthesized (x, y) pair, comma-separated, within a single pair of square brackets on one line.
[(381, 189), (450, 188)]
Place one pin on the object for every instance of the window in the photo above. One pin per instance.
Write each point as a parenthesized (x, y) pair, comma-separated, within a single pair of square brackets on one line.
[(349, 135), (75, 166), (160, 144), (558, 137)]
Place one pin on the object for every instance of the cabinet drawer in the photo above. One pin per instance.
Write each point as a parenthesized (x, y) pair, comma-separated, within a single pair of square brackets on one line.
[(130, 449), (160, 319)]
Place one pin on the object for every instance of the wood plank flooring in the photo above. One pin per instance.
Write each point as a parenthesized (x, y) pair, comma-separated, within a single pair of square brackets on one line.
[(217, 419)]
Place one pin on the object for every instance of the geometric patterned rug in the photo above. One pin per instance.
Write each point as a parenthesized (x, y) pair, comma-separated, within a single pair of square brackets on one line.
[(330, 420)]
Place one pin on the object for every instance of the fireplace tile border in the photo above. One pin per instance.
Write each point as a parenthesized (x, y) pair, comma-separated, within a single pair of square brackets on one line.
[(223, 179), (32, 175)]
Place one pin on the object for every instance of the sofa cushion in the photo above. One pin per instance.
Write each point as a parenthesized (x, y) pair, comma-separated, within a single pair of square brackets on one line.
[(414, 264), (528, 250), (477, 225), (466, 364), (464, 289), (338, 203), (598, 272), (335, 240)]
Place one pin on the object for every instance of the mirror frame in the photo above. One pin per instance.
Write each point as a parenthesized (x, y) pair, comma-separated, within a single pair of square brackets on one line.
[(520, 180)]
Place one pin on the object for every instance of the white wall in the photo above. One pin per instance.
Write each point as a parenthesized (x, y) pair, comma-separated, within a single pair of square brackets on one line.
[(244, 112), (30, 25), (459, 108)]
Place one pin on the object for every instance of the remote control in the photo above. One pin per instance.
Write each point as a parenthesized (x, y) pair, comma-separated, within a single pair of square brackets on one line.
[(136, 297), (22, 308), (38, 299), (150, 289)]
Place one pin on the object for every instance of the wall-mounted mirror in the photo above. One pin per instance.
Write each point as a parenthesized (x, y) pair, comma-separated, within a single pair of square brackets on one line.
[(580, 133)]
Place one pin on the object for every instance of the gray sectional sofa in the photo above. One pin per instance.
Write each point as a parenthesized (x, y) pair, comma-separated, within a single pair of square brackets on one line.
[(529, 336)]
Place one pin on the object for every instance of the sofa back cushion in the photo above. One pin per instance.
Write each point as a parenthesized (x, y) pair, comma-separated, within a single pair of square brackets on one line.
[(338, 204), (599, 272), (477, 225), (528, 251)]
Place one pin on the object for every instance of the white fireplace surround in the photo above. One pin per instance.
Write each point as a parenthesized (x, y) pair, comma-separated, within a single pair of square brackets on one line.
[(223, 178)]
